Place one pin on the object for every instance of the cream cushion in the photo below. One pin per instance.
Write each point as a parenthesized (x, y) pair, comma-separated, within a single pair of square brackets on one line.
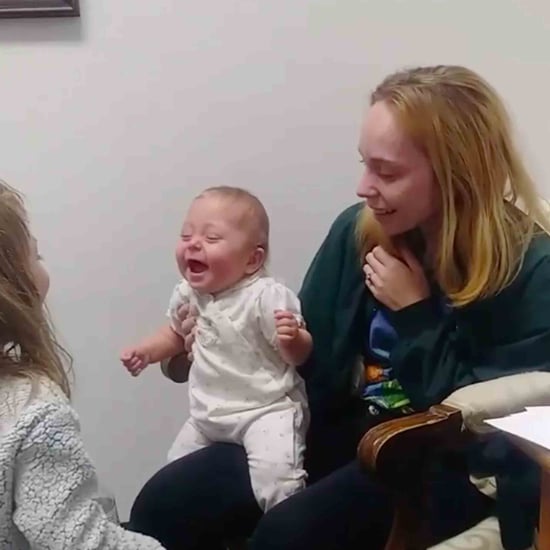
[(500, 397), (479, 402), (483, 536)]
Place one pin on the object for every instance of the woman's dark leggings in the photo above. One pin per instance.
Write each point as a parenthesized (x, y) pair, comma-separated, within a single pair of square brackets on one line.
[(205, 499)]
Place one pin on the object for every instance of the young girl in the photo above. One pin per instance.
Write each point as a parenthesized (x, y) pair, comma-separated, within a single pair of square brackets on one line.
[(48, 484), (243, 385)]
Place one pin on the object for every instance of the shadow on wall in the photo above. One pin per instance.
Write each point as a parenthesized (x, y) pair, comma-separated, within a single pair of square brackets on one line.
[(40, 29)]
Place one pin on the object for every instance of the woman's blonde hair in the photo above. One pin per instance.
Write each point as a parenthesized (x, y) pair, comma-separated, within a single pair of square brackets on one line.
[(459, 122), (28, 344)]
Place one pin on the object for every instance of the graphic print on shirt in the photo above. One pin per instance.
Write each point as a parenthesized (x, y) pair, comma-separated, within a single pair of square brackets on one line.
[(381, 388)]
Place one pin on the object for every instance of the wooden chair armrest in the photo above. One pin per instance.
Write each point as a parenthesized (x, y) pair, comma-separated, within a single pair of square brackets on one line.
[(399, 452), (393, 447)]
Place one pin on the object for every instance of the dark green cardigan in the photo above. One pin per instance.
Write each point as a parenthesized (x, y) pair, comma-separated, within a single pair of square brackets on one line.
[(505, 334)]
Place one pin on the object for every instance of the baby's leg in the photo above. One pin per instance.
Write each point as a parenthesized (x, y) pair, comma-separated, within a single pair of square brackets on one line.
[(188, 440), (275, 445)]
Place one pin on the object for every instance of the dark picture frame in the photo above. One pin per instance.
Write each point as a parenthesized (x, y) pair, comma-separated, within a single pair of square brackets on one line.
[(39, 8)]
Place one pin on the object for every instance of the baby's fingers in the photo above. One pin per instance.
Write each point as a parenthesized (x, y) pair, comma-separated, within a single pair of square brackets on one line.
[(283, 314)]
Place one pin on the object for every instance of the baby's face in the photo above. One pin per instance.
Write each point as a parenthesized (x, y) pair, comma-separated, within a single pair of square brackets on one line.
[(216, 249)]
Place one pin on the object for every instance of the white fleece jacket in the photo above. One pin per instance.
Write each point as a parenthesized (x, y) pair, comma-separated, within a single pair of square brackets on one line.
[(48, 485)]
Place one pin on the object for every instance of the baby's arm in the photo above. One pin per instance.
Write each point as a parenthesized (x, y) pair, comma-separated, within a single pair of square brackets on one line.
[(166, 342), (282, 324), (163, 344), (295, 342)]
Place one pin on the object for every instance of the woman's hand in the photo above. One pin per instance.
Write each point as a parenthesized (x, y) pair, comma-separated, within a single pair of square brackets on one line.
[(187, 316), (396, 283)]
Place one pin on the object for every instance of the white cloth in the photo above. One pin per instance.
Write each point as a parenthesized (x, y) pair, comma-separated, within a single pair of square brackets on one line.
[(240, 388), (48, 484)]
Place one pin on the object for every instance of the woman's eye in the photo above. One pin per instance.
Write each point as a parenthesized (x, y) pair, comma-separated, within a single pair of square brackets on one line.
[(388, 178)]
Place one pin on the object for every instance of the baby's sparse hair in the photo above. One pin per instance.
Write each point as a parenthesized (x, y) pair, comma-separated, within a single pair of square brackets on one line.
[(254, 211)]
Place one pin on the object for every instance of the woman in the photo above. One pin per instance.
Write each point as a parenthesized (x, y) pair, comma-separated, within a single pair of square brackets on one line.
[(49, 485), (436, 281)]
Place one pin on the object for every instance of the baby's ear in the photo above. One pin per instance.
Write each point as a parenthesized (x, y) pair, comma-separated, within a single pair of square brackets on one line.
[(256, 260)]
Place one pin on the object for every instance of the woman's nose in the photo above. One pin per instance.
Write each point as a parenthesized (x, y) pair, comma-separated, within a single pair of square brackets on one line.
[(366, 188)]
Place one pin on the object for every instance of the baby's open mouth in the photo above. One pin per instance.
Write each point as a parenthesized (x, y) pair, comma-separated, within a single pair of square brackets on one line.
[(195, 266)]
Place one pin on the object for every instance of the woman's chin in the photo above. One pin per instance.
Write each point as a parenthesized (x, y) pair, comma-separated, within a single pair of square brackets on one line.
[(393, 227)]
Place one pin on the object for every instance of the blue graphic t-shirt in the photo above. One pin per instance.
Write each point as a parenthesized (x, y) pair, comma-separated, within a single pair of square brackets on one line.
[(381, 387)]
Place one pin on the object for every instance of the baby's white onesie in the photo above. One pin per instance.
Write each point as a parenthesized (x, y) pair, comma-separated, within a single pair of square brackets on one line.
[(240, 389)]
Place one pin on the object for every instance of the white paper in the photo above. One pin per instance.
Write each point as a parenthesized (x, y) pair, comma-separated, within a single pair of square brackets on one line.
[(538, 408), (533, 424)]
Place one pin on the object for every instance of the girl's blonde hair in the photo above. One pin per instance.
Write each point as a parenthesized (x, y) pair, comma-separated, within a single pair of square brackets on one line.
[(458, 120), (28, 344)]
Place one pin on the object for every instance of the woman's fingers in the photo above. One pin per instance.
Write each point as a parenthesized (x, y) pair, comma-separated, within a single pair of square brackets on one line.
[(190, 339)]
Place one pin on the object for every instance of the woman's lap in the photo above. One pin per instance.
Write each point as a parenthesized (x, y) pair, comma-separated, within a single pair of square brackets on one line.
[(191, 504), (349, 510), (198, 501), (206, 498), (345, 510)]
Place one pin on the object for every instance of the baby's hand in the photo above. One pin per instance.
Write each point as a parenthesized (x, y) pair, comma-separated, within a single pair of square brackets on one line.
[(287, 326), (134, 360)]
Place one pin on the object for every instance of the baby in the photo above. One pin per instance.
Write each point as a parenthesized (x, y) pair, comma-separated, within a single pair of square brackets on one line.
[(243, 384)]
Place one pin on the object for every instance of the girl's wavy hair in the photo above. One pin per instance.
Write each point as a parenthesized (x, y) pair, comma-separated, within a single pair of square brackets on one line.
[(28, 343), (490, 206)]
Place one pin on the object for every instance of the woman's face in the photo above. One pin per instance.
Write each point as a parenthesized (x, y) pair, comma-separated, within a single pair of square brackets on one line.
[(41, 277), (398, 184)]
